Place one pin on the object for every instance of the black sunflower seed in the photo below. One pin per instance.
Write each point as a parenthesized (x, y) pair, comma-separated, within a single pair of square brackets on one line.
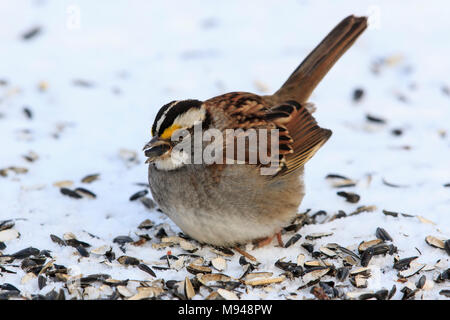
[(147, 269), (366, 256), (52, 295), (318, 213), (77, 243), (2, 245), (82, 251), (138, 194), (57, 240), (372, 118), (9, 287), (421, 282), (336, 176), (349, 196), (146, 224), (93, 278), (390, 213), (342, 273), (29, 265), (161, 268), (29, 114), (403, 264), (25, 253), (226, 251), (447, 247), (110, 255), (392, 249), (308, 246), (6, 224), (148, 203), (397, 132), (33, 32), (292, 240), (9, 294), (45, 253), (70, 193), (161, 233), (358, 93), (121, 240), (42, 282), (61, 295), (383, 235), (392, 292), (408, 293), (293, 227), (444, 276), (328, 288), (340, 214), (85, 192), (380, 248), (381, 294), (128, 261), (445, 293), (295, 269), (367, 296), (243, 261)]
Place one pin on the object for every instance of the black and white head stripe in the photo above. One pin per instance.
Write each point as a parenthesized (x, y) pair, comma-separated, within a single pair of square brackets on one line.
[(182, 112)]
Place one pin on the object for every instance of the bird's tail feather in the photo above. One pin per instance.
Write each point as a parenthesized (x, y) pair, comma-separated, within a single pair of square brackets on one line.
[(316, 65)]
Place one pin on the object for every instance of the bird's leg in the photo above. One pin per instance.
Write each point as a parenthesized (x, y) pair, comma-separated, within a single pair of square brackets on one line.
[(266, 241), (280, 241)]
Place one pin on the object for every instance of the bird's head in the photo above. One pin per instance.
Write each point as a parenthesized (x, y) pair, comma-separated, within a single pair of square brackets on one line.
[(173, 122)]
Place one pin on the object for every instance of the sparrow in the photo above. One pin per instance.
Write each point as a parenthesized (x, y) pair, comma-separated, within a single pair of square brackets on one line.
[(229, 203)]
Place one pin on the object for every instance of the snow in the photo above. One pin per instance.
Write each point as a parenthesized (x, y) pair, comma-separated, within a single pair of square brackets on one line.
[(140, 55)]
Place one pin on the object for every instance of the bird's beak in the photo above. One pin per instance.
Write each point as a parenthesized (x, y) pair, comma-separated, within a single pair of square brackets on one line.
[(155, 148)]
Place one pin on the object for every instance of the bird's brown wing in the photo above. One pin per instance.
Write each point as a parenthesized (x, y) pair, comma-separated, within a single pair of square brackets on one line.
[(299, 136), (306, 136)]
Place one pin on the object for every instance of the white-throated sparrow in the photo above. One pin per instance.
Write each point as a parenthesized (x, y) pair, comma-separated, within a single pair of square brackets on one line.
[(225, 204)]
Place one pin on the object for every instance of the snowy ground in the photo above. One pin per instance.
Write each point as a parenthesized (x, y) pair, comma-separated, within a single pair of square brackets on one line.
[(93, 86)]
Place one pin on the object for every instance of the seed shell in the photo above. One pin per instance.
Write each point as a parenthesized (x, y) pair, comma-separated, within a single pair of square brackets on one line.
[(227, 295), (219, 263), (128, 261), (262, 282), (435, 242), (6, 224), (363, 246), (403, 264), (90, 178), (188, 289), (85, 193)]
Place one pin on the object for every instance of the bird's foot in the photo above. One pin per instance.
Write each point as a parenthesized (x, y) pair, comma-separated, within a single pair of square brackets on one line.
[(266, 241)]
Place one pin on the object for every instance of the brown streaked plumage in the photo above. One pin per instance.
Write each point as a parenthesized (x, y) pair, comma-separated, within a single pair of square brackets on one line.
[(229, 204)]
